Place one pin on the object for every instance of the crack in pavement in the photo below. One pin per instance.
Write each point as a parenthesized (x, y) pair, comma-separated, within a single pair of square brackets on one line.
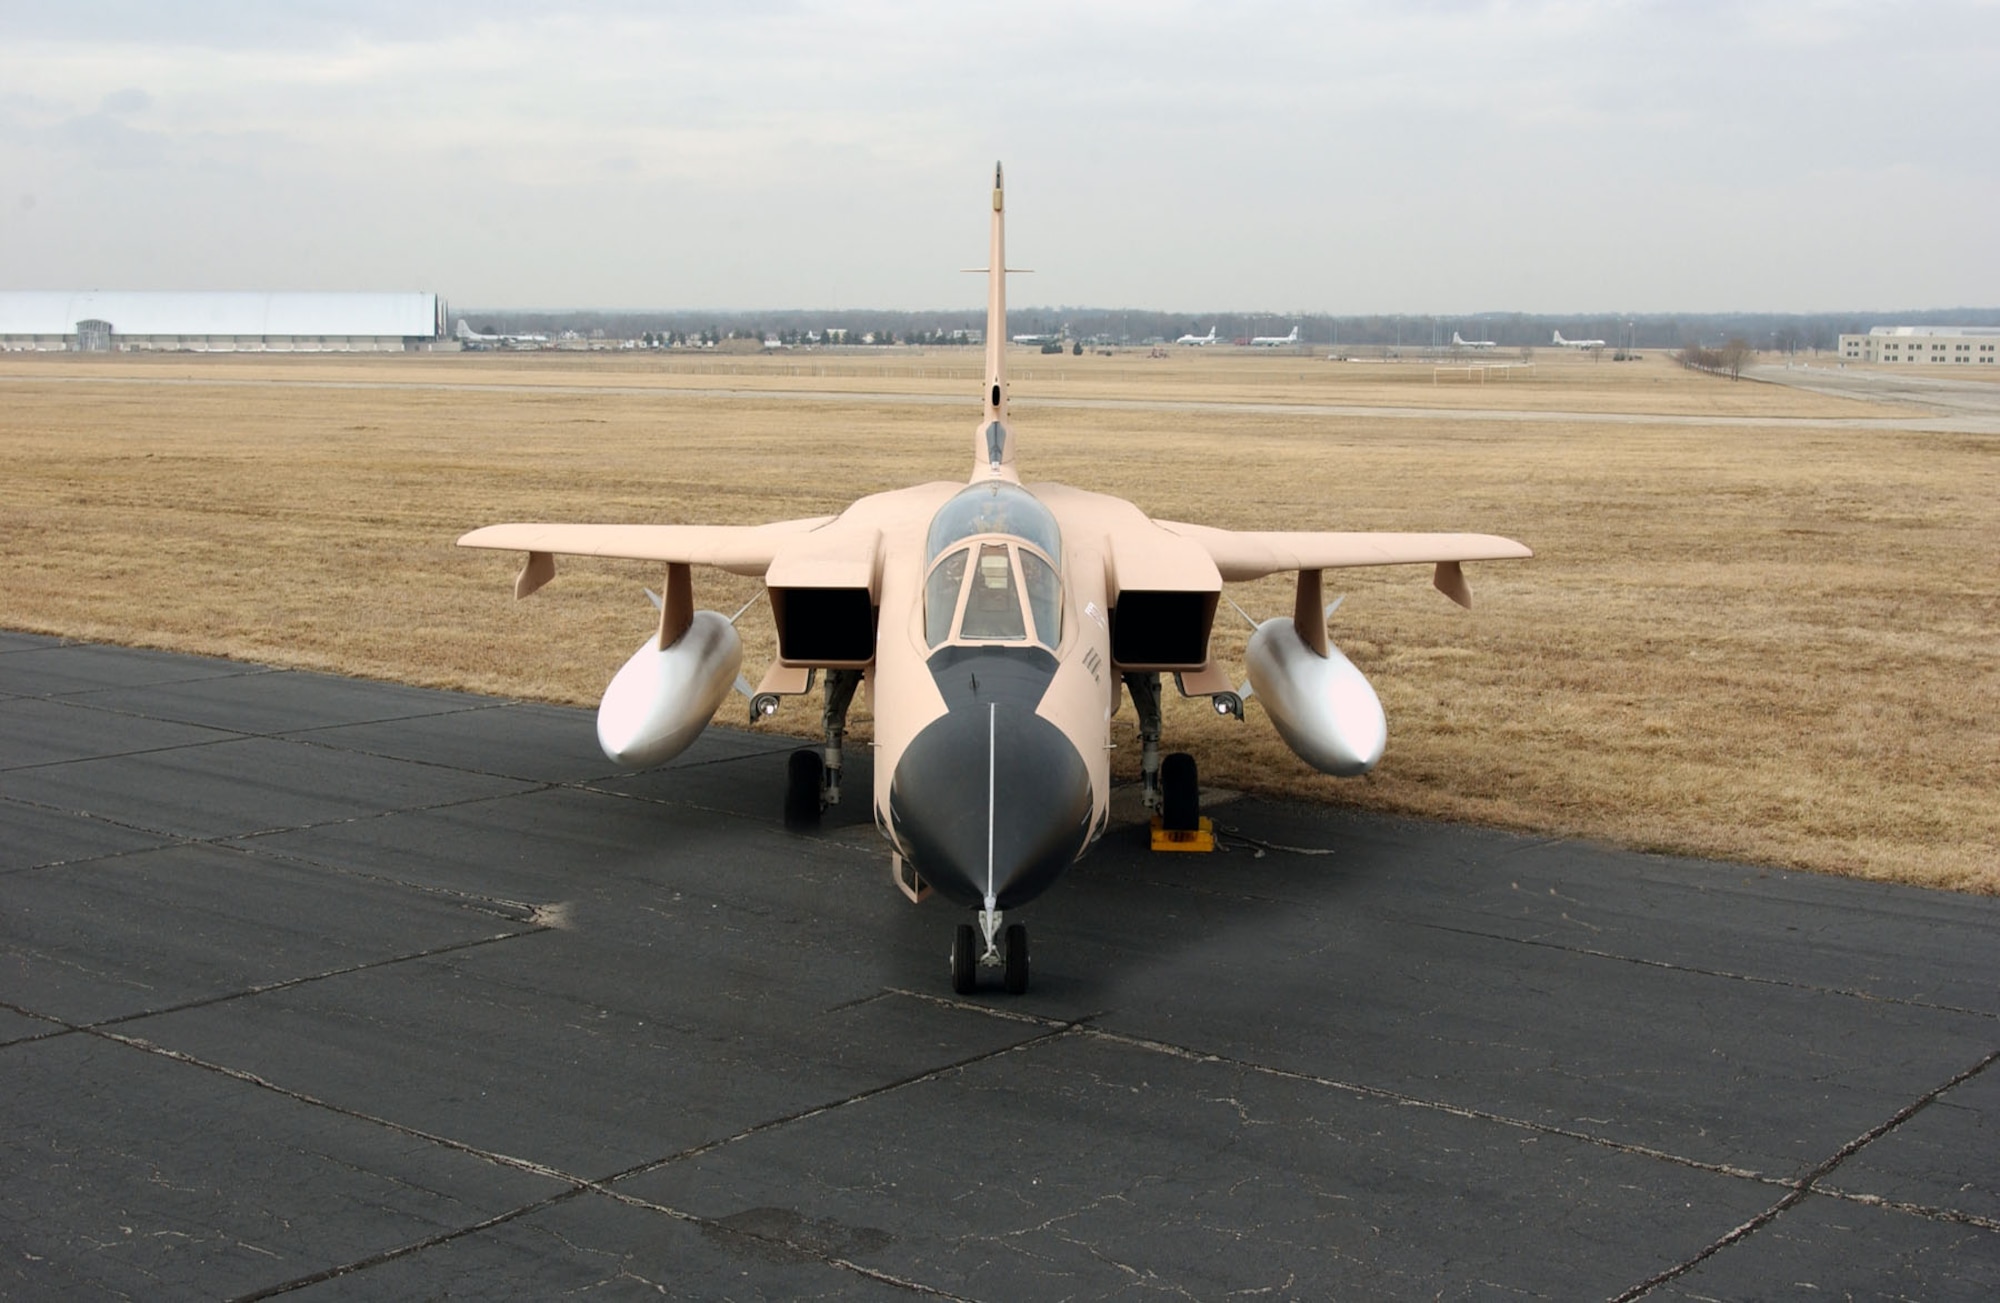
[(122, 712), (224, 839), (1081, 1027), (1924, 1210), (1725, 974), (1804, 1186), (576, 1185), (262, 988), (247, 672), (516, 911)]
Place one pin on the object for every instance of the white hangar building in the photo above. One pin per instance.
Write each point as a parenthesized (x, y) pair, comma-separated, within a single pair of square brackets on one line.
[(1932, 345), (226, 322)]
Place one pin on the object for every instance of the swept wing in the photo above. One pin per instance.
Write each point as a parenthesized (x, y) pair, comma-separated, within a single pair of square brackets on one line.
[(739, 549), (1252, 554)]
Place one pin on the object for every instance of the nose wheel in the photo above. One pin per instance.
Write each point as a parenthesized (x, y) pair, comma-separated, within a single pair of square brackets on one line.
[(969, 954), (1015, 964)]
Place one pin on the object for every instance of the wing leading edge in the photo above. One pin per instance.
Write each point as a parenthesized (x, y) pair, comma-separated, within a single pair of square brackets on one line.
[(739, 549), (1254, 554)]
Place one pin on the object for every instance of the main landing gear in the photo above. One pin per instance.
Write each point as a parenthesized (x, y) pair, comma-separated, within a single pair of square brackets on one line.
[(1003, 948), (1144, 689), (812, 776), (1168, 785)]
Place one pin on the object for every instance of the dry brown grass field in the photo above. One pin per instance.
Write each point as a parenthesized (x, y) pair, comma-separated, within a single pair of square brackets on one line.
[(1765, 643)]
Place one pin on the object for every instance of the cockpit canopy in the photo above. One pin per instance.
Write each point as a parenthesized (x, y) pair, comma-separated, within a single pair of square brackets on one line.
[(996, 507), (974, 593)]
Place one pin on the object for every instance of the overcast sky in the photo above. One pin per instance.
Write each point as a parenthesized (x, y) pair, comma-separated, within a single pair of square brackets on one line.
[(1388, 157)]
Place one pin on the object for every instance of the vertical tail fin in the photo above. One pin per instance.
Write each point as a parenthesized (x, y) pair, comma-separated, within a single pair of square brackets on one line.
[(996, 307), (993, 445)]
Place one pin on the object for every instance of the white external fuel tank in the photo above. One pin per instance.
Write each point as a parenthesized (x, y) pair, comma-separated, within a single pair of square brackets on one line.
[(659, 703), (1322, 706)]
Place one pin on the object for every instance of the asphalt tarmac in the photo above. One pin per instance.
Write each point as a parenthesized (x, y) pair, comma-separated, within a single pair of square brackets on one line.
[(335, 989)]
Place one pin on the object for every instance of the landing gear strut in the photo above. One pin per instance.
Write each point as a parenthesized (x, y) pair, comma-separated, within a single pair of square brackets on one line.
[(840, 686), (1145, 692), (812, 778)]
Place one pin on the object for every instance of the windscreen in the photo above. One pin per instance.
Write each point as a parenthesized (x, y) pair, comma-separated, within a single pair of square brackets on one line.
[(1044, 597), (941, 596), (976, 594), (993, 604)]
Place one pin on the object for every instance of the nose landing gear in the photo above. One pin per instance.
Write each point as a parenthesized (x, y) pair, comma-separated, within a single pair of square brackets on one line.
[(1005, 949)]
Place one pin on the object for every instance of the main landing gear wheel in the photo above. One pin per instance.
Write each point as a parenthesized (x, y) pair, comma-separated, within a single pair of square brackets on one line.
[(804, 776), (1017, 959), (1180, 794), (964, 959)]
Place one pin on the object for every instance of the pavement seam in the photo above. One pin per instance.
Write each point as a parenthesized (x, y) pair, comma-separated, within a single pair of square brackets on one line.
[(1805, 1185), (515, 911), (718, 1228), (1642, 962), (1924, 1210), (224, 839), (576, 784), (405, 1250), (1054, 1032), (61, 1028), (168, 839), (1799, 1188), (577, 1185), (286, 984), (1481, 1115), (226, 736), (238, 735), (247, 672), (1171, 1049), (263, 988), (1403, 1099)]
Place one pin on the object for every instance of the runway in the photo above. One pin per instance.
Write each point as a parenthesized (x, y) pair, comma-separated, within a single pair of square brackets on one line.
[(324, 988), (1964, 416)]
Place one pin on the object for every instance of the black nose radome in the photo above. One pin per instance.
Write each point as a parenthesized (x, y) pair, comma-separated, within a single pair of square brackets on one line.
[(991, 797)]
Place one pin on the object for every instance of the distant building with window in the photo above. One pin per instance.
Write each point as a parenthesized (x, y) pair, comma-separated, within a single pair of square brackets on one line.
[(218, 322), (1930, 345)]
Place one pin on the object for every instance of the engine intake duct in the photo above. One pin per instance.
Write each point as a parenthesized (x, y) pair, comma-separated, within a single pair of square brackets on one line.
[(825, 626), (1162, 629)]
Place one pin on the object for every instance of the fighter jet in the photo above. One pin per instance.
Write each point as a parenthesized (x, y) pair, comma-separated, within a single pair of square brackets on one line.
[(994, 623)]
